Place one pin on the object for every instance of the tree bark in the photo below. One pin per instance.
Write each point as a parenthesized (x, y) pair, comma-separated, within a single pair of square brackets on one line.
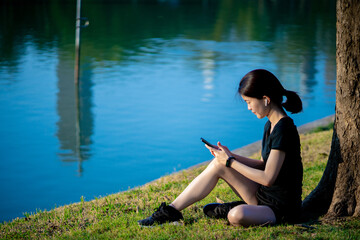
[(338, 192)]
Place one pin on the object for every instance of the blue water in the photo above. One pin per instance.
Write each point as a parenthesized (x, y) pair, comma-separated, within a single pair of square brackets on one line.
[(147, 93)]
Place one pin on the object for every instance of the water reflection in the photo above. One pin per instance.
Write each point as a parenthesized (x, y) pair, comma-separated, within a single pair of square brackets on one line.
[(208, 72), (75, 124), (308, 71)]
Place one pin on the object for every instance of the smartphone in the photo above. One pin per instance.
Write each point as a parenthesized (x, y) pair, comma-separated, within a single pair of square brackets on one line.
[(209, 144)]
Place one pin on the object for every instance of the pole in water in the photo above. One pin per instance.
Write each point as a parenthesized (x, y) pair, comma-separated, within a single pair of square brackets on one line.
[(76, 76), (77, 42)]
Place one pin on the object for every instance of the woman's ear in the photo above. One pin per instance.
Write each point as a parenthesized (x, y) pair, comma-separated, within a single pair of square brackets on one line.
[(266, 100)]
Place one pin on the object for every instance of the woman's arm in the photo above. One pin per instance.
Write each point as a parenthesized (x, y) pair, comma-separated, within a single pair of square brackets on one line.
[(254, 163), (265, 177)]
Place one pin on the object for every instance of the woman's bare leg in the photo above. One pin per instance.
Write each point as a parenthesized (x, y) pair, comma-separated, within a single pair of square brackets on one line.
[(203, 184), (247, 215)]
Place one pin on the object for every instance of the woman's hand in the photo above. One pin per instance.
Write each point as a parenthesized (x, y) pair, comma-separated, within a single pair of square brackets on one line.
[(221, 154), (211, 150)]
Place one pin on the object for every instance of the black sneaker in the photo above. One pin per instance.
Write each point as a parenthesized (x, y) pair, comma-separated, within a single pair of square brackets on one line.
[(162, 215), (220, 210)]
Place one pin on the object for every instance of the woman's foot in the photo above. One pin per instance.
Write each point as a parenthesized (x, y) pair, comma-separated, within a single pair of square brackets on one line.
[(220, 210), (162, 215)]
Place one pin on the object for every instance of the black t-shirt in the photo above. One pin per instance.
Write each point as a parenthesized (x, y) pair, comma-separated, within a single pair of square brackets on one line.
[(284, 196)]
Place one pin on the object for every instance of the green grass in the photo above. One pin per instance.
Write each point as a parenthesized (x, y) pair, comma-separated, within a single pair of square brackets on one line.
[(330, 126), (115, 216)]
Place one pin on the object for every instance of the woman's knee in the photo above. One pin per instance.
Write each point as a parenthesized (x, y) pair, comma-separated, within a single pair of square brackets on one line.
[(215, 166), (247, 215), (237, 216)]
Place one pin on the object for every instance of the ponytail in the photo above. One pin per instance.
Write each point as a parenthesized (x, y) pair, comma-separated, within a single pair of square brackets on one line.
[(293, 102)]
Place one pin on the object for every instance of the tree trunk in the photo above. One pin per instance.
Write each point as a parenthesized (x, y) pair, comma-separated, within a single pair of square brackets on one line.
[(338, 193)]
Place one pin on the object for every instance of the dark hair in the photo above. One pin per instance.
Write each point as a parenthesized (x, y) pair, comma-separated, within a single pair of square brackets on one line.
[(259, 83)]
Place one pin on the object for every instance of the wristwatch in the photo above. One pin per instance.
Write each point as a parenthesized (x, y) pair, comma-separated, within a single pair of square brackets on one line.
[(228, 161)]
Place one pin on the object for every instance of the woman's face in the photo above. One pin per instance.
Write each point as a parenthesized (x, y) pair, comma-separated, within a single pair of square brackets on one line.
[(256, 106)]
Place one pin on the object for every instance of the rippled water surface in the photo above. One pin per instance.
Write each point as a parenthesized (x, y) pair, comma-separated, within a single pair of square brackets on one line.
[(155, 77)]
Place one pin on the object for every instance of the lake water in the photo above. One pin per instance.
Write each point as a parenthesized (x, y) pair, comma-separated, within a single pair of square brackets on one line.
[(155, 77)]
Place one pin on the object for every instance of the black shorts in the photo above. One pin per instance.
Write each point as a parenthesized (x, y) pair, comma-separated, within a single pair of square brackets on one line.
[(285, 212)]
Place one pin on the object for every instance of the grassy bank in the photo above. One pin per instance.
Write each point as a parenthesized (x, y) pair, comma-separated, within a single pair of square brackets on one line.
[(115, 216)]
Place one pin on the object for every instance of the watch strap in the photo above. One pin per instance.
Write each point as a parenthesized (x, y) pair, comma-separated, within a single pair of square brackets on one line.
[(228, 161)]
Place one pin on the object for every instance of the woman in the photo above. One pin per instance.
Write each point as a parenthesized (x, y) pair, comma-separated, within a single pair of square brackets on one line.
[(270, 187)]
